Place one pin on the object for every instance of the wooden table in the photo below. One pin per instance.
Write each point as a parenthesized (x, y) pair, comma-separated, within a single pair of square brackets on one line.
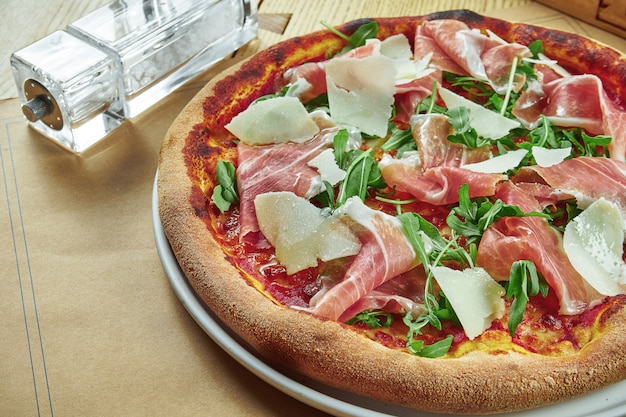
[(91, 325)]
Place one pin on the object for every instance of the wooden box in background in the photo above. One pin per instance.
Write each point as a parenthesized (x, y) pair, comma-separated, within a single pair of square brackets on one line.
[(609, 15)]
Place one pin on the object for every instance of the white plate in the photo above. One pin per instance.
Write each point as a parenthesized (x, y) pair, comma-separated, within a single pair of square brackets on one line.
[(609, 402)]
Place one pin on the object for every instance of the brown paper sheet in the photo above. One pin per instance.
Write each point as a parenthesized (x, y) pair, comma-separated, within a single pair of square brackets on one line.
[(91, 326)]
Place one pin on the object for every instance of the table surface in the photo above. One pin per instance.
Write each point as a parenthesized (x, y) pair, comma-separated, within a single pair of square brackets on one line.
[(91, 326)]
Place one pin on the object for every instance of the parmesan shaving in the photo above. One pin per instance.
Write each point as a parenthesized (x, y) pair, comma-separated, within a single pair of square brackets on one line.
[(475, 297), (498, 164), (300, 233), (547, 157), (487, 123), (594, 244), (361, 92), (275, 120)]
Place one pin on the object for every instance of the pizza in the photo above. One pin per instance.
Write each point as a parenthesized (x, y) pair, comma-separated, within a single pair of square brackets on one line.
[(428, 211)]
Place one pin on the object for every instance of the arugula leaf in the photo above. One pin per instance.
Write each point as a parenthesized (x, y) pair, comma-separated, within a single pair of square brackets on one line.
[(399, 138), (326, 198), (523, 282), (225, 193), (595, 145), (474, 86), (472, 217), (372, 318), (459, 118), (432, 248), (562, 214), (281, 93), (548, 136), (361, 172), (543, 135), (317, 102), (427, 105), (447, 311), (340, 146), (364, 32), (437, 349), (536, 48)]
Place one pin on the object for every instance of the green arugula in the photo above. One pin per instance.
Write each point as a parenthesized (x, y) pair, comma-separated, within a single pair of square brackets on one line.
[(428, 106), (474, 86), (435, 350), (464, 133), (401, 140), (225, 192), (362, 172), (562, 214), (340, 148), (432, 249), (472, 217), (524, 281), (548, 136), (536, 48), (364, 32), (373, 319)]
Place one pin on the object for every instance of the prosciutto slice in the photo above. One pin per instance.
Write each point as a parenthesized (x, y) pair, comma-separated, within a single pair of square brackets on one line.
[(385, 254), (576, 101), (409, 95), (586, 178), (398, 295), (281, 167), (430, 132), (426, 47), (532, 238), (435, 174), (458, 49), (438, 185)]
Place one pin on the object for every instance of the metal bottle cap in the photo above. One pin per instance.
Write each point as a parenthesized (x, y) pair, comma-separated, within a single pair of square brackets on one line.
[(41, 105)]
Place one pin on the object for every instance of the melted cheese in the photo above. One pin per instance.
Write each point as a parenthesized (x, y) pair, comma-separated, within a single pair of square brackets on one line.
[(275, 120), (498, 164), (300, 233), (487, 123), (360, 92), (594, 244), (474, 295)]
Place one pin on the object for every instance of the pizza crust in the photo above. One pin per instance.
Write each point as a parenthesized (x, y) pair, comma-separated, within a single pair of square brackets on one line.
[(477, 383)]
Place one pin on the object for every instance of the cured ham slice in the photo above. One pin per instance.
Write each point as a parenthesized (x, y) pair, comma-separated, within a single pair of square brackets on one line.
[(282, 167), (576, 101), (435, 174), (586, 178), (437, 185), (398, 295), (385, 254), (431, 132), (482, 57), (426, 47), (459, 43), (409, 95), (498, 61), (513, 238)]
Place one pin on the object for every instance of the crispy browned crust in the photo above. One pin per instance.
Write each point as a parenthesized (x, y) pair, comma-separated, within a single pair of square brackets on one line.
[(326, 350)]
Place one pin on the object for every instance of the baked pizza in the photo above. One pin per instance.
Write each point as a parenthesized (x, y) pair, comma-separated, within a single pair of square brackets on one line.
[(428, 211)]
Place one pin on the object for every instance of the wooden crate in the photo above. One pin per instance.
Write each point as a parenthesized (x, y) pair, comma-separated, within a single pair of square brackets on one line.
[(609, 15)]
